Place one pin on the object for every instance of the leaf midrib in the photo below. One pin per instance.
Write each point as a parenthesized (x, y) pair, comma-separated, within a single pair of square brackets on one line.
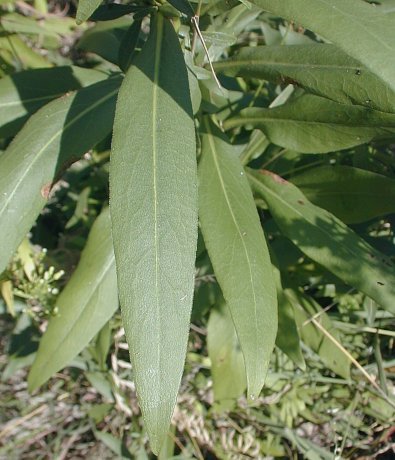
[(158, 52), (236, 121), (297, 212), (30, 100), (231, 63)]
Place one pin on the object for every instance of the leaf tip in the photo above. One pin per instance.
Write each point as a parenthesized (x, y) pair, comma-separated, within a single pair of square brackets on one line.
[(32, 383)]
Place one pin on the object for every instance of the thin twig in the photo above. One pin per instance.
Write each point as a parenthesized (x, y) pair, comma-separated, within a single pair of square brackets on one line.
[(197, 16), (354, 361), (195, 23), (324, 310)]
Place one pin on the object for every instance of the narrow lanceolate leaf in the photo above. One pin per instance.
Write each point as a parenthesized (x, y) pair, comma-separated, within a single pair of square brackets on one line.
[(67, 127), (237, 248), (351, 194), (313, 124), (355, 26), (322, 69), (227, 362), (23, 93), (128, 45), (327, 240), (87, 302), (305, 308), (287, 339), (85, 9), (153, 191)]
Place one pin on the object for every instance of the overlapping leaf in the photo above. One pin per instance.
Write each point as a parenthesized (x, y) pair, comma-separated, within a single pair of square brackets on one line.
[(313, 124), (154, 216), (322, 69), (227, 363), (306, 307), (67, 127), (287, 339), (238, 252), (355, 26), (23, 93), (85, 9), (87, 302), (327, 240), (105, 38), (184, 6), (352, 194)]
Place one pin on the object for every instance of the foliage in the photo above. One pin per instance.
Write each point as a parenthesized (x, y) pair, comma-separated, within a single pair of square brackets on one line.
[(211, 110)]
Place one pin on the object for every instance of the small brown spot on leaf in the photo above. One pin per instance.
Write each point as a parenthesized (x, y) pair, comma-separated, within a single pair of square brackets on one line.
[(300, 201), (46, 190), (274, 176)]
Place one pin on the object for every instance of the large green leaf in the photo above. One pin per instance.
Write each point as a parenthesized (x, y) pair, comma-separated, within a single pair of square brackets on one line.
[(153, 207), (227, 362), (355, 26), (327, 240), (322, 69), (87, 302), (67, 127), (352, 194), (23, 93), (306, 307), (85, 9), (313, 124), (237, 249)]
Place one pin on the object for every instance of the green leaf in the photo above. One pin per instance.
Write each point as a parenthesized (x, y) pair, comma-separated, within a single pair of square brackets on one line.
[(321, 69), (110, 11), (355, 26), (88, 301), (227, 362), (105, 38), (184, 6), (237, 249), (313, 124), (351, 194), (68, 128), (128, 45), (154, 213), (327, 240), (103, 341), (15, 53), (306, 307), (113, 443), (17, 23), (85, 9), (287, 339), (23, 93)]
